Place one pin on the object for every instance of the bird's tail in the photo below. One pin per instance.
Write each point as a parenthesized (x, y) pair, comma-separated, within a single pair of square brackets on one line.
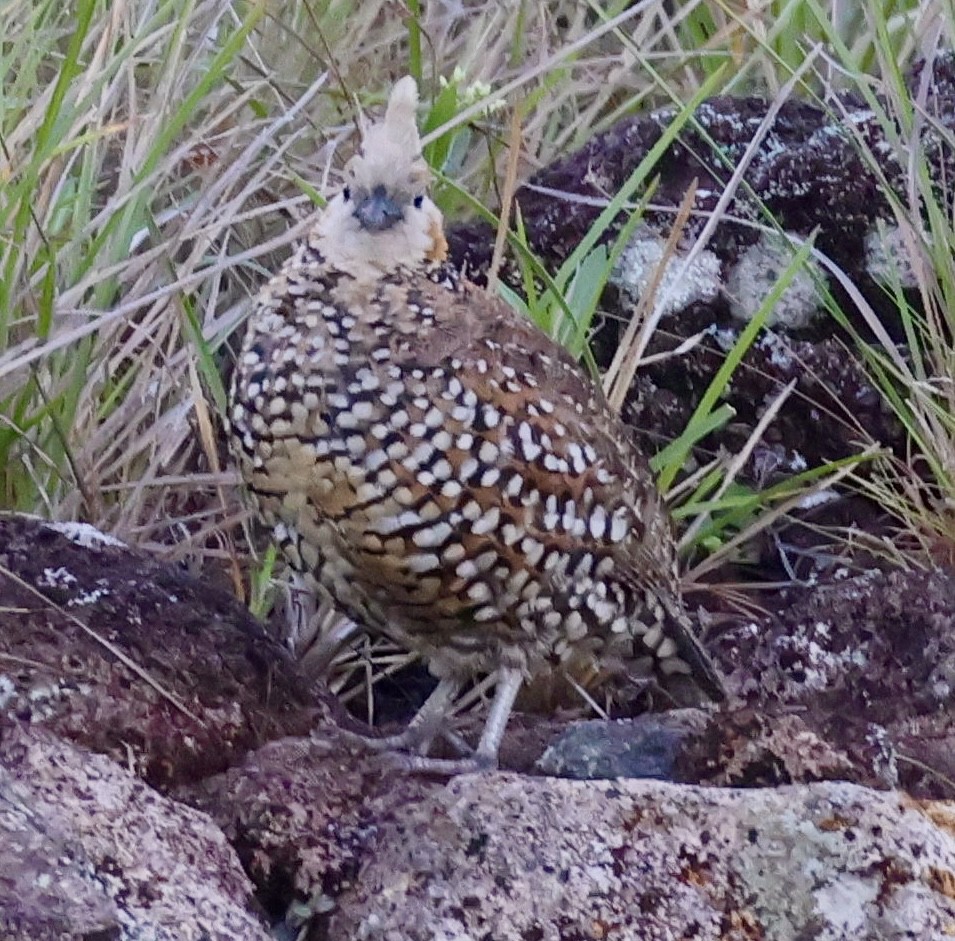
[(677, 650)]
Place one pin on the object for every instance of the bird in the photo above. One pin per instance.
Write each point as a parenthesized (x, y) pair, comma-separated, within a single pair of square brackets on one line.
[(442, 470)]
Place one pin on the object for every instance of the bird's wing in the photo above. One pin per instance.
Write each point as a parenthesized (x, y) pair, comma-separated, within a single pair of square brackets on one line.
[(551, 466), (562, 437)]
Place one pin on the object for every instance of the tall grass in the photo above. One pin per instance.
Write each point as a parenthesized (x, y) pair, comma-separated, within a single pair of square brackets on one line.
[(134, 167), (158, 158)]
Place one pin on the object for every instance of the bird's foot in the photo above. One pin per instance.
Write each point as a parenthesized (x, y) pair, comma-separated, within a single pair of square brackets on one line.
[(411, 739), (415, 741), (445, 767), (408, 752)]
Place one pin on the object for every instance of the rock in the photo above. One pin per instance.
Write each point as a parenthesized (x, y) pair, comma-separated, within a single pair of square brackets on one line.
[(728, 748), (647, 746), (90, 852), (812, 171), (343, 846), (356, 850), (129, 656), (512, 858), (807, 171), (761, 748), (304, 816), (294, 810), (866, 662)]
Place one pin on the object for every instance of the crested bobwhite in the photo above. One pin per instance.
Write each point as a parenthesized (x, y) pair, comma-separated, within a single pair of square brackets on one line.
[(438, 466)]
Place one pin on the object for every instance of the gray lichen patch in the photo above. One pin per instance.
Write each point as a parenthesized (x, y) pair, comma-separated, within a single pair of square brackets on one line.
[(85, 535), (752, 279), (683, 281), (888, 257)]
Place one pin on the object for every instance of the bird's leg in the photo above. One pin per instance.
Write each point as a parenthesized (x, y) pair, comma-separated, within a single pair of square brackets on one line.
[(509, 682), (422, 729)]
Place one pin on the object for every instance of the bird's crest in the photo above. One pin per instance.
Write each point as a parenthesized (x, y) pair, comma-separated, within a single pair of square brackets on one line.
[(391, 148), (382, 219)]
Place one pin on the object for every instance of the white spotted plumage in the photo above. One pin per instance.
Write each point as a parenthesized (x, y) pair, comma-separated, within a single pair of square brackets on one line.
[(434, 463)]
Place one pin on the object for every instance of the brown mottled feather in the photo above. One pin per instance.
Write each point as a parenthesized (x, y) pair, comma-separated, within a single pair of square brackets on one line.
[(436, 464)]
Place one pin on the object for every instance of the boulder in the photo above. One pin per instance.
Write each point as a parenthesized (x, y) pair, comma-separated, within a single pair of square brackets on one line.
[(89, 852)]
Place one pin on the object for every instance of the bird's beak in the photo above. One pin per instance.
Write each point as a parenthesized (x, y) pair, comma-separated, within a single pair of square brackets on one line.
[(378, 211)]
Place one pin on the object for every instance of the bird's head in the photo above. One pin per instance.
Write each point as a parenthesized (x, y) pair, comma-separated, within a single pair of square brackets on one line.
[(383, 217)]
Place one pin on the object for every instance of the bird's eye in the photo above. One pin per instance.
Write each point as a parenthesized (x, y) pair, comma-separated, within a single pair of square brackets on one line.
[(346, 193), (418, 202)]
